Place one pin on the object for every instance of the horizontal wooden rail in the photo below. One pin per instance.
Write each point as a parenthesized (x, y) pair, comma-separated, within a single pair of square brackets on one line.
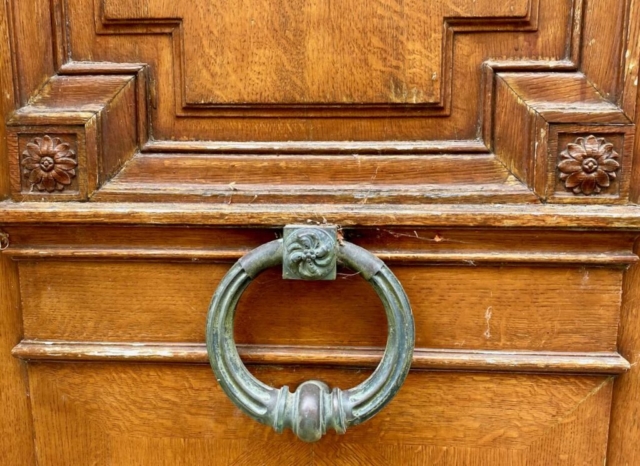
[(430, 359), (449, 215), (201, 254)]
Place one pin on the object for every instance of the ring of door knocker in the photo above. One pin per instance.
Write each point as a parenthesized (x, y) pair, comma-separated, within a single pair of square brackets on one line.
[(310, 253)]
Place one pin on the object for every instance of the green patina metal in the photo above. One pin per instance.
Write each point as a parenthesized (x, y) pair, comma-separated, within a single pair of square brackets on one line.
[(313, 408), (309, 252)]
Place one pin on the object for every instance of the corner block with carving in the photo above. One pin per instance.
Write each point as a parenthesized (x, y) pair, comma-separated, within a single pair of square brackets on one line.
[(547, 120), (74, 135)]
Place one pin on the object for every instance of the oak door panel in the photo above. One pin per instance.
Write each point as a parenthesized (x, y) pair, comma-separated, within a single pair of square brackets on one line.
[(311, 52)]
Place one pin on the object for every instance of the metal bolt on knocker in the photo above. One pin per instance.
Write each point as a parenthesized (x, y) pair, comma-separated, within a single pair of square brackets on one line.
[(310, 253)]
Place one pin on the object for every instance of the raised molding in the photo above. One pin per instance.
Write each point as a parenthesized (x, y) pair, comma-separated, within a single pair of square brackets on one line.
[(425, 359), (317, 147), (543, 217), (614, 258), (314, 179), (411, 245), (173, 27)]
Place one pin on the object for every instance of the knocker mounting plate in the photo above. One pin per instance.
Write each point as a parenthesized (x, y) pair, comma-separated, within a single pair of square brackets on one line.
[(310, 252)]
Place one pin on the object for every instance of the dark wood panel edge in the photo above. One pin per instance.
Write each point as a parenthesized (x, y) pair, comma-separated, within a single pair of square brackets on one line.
[(498, 193), (450, 360)]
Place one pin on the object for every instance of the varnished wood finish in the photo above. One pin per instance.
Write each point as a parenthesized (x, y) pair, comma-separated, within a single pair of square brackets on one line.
[(7, 99), (450, 138), (94, 118), (396, 245), (315, 64)]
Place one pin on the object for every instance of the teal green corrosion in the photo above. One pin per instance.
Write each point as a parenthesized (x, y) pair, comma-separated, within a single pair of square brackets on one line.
[(313, 408)]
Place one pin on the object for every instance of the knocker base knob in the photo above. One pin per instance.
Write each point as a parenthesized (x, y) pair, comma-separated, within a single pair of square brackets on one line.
[(311, 410)]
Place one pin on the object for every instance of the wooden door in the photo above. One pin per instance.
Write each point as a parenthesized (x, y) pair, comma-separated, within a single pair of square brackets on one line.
[(485, 150)]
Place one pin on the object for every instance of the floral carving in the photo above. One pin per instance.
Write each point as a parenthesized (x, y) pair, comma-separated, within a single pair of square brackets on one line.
[(49, 164), (588, 165), (310, 253)]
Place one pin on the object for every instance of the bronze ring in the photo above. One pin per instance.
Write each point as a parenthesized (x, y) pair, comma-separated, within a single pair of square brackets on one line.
[(313, 408)]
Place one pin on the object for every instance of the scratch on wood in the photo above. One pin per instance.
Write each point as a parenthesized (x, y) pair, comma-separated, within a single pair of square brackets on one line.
[(487, 317), (438, 238)]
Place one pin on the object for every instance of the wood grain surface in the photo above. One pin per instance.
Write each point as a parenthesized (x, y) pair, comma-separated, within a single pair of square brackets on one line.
[(313, 53), (266, 74), (158, 414), (396, 245), (511, 308), (626, 403), (16, 425)]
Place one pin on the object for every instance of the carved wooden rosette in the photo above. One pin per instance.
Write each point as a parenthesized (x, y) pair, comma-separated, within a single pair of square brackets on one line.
[(589, 165), (48, 164)]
